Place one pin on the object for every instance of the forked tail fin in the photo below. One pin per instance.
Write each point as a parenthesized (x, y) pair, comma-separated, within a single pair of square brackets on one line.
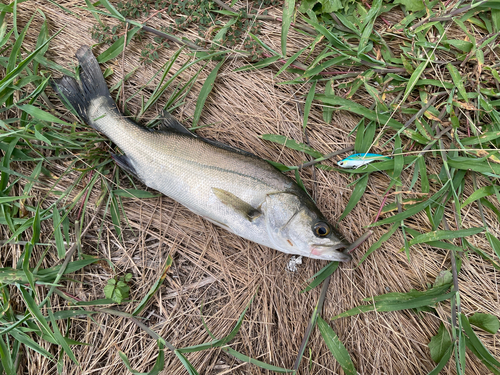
[(92, 85)]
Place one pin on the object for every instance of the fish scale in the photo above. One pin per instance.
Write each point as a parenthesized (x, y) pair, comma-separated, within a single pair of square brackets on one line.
[(229, 187)]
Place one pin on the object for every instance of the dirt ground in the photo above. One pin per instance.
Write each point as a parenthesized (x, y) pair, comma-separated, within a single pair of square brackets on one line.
[(222, 272)]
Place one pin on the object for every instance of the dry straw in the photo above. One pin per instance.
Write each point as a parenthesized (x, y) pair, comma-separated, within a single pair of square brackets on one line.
[(222, 272)]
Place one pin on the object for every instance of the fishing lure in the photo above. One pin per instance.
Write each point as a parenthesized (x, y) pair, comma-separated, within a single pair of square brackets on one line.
[(357, 160)]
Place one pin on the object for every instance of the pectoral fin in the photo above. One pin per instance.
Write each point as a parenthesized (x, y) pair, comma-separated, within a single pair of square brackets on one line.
[(240, 206)]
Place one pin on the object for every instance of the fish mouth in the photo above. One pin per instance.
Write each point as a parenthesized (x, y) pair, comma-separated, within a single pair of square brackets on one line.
[(331, 253)]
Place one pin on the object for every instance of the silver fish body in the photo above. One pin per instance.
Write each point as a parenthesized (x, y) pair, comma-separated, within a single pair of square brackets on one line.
[(229, 187)]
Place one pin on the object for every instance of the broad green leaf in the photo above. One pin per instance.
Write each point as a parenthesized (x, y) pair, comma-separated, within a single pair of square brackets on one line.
[(443, 278), (476, 342), (30, 343), (488, 322), (440, 344), (445, 235), (461, 45), (338, 349), (208, 85), (288, 10), (356, 195), (290, 143)]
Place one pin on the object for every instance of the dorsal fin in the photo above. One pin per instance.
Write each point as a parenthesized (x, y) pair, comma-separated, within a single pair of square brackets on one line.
[(170, 123), (228, 148)]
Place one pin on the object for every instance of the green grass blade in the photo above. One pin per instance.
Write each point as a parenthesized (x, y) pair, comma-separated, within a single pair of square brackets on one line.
[(219, 342), (189, 367), (112, 10), (414, 78), (356, 195), (40, 114), (56, 219), (338, 349), (36, 313), (494, 242), (208, 85), (60, 340), (369, 21), (13, 199), (444, 360), (9, 77), (154, 288), (481, 165), (380, 241), (16, 47), (290, 143), (445, 235), (263, 365), (6, 359), (485, 191), (117, 47), (288, 10), (413, 210), (457, 80), (401, 301), (321, 275), (307, 106)]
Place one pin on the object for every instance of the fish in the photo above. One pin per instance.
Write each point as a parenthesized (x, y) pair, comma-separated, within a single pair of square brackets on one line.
[(357, 160), (229, 187)]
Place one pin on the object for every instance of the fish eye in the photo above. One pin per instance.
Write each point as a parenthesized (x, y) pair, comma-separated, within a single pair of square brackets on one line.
[(321, 229)]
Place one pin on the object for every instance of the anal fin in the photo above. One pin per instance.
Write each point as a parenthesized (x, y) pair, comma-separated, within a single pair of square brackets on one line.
[(124, 163)]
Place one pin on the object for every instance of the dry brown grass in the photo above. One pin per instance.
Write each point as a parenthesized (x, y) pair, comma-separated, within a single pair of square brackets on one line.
[(222, 272)]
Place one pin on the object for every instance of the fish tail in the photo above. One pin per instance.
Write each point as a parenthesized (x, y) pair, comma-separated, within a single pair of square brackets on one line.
[(80, 94)]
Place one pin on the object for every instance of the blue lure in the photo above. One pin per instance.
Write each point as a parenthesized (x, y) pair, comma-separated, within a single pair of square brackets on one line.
[(357, 160)]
